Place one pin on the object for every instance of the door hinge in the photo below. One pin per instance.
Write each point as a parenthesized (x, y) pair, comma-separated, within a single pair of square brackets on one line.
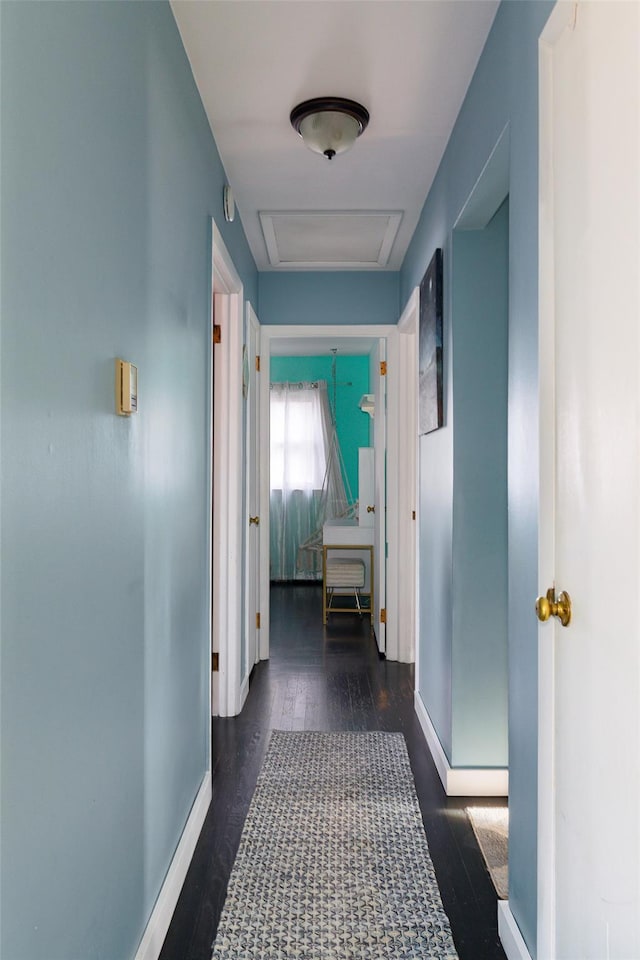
[(383, 615), (257, 621), (217, 333), (257, 363), (383, 368), (215, 662)]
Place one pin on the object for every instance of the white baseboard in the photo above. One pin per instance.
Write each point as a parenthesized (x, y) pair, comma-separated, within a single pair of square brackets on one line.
[(460, 781), (156, 929), (510, 937)]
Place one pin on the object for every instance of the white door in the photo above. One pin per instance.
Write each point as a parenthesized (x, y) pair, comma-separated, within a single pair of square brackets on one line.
[(379, 381), (252, 558), (589, 680)]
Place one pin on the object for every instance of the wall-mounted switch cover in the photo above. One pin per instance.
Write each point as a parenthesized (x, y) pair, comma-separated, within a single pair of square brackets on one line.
[(126, 388)]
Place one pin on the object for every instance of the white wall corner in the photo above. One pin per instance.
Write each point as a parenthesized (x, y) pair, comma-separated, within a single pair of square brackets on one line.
[(460, 781), (510, 937), (156, 929)]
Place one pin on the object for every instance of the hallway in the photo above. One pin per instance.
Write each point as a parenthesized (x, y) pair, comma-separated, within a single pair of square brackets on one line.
[(333, 680)]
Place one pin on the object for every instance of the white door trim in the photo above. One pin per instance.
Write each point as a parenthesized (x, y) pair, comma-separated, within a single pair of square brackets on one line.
[(251, 458), (227, 483), (408, 594), (268, 335), (546, 925), (385, 496)]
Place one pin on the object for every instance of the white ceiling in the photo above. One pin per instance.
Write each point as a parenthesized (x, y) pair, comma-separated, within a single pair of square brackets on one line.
[(409, 62)]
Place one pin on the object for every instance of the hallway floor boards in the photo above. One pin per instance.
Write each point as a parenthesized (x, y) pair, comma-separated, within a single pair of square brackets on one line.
[(327, 679)]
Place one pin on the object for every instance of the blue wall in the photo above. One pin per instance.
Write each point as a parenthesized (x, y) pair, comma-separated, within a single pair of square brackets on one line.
[(109, 175), (480, 313), (352, 425), (109, 178), (504, 91), (328, 298)]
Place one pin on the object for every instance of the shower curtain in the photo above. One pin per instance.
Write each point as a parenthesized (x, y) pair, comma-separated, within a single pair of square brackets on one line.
[(302, 434)]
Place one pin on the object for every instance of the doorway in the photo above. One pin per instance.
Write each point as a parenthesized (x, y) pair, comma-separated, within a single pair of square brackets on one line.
[(480, 321), (317, 429), (317, 424), (354, 339), (480, 690)]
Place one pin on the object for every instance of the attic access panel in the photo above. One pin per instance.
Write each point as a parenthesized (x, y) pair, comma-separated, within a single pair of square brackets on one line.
[(331, 240)]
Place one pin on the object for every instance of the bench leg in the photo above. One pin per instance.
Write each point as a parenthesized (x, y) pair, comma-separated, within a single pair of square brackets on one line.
[(357, 593)]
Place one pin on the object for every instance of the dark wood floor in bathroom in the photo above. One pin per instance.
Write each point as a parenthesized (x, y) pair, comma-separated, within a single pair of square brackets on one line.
[(327, 679)]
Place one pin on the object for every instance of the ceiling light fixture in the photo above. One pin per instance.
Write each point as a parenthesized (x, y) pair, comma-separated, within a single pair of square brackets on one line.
[(329, 125)]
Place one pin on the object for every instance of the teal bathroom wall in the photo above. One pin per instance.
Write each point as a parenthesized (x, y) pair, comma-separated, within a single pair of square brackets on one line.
[(352, 425), (109, 179)]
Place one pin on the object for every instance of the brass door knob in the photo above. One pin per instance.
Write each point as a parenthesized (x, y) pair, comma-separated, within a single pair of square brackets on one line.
[(549, 606), (371, 509), (255, 520)]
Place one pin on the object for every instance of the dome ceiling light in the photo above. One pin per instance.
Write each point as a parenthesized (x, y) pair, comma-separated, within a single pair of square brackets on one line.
[(329, 125)]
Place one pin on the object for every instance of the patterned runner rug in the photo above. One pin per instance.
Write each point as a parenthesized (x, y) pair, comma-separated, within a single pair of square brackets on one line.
[(333, 861)]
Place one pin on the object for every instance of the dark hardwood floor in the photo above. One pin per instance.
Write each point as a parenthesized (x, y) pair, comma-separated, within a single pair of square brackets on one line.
[(327, 679)]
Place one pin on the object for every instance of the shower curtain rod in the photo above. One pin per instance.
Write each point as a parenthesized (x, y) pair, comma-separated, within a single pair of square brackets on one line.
[(312, 383)]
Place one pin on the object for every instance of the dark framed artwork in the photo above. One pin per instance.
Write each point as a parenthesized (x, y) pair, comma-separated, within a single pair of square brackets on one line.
[(430, 347)]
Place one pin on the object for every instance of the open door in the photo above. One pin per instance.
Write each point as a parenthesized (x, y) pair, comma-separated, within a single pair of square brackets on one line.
[(252, 557), (379, 383), (589, 677), (227, 562)]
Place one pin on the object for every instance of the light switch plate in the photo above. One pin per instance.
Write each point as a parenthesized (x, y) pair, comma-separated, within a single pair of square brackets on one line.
[(126, 388)]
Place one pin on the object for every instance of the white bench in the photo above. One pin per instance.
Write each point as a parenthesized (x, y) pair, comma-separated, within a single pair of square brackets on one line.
[(340, 575)]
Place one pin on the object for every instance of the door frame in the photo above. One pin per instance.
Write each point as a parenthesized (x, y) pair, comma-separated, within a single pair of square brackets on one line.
[(225, 502), (383, 571), (398, 452), (408, 481), (252, 455), (546, 845)]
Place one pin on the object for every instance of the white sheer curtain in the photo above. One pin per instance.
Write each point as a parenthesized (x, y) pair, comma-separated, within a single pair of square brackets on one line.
[(300, 428)]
